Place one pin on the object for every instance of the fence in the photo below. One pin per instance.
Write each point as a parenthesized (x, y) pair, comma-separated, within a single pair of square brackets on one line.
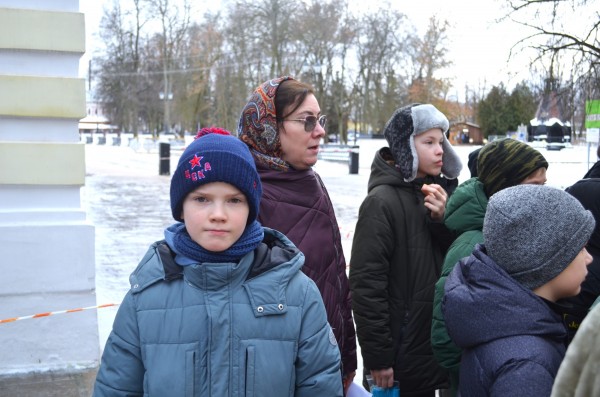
[(342, 153)]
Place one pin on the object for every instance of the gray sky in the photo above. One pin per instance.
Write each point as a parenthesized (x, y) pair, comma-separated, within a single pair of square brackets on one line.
[(478, 45)]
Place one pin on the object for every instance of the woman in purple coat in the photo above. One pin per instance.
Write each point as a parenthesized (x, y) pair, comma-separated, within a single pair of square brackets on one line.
[(282, 125)]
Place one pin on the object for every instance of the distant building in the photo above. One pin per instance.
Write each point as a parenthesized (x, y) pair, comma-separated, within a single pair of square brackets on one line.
[(465, 132), (550, 123), (95, 121)]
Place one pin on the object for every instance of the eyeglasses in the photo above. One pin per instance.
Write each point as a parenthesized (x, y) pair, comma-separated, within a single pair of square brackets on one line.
[(310, 122)]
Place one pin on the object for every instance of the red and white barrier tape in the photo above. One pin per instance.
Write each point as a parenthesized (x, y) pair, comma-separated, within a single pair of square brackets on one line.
[(10, 320)]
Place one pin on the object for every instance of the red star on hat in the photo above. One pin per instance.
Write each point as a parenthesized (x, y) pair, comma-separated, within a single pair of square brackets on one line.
[(195, 162)]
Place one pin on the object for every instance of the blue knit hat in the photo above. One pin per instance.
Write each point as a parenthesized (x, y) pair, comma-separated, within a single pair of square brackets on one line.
[(216, 156)]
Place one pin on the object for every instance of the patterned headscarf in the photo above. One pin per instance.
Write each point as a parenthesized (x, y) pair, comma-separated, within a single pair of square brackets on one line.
[(257, 127)]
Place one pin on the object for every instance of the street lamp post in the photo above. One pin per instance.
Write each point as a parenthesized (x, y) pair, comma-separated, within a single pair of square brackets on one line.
[(167, 118)]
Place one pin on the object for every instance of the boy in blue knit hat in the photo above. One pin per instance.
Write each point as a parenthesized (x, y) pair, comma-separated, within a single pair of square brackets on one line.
[(500, 303), (220, 306)]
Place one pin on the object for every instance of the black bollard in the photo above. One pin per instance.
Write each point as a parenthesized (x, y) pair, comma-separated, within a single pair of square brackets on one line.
[(353, 160), (164, 159)]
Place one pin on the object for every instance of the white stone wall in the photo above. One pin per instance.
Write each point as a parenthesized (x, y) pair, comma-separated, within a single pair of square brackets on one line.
[(46, 243)]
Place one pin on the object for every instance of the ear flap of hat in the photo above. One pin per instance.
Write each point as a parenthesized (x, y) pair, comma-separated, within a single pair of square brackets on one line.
[(452, 164), (397, 132)]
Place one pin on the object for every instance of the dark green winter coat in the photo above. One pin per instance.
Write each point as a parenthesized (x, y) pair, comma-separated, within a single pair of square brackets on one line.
[(396, 258), (465, 210)]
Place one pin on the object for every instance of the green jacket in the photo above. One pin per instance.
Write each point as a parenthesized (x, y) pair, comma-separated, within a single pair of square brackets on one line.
[(465, 211)]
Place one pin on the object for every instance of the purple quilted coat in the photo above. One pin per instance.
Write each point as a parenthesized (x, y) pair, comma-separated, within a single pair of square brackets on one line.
[(297, 204)]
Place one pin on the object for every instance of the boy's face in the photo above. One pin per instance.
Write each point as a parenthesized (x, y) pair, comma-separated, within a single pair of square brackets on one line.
[(430, 152), (215, 215), (568, 282), (537, 177)]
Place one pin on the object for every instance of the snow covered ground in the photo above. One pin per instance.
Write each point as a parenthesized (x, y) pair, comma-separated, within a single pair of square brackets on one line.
[(128, 202)]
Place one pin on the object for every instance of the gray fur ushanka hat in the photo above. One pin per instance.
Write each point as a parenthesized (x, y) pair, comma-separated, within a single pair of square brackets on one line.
[(410, 121)]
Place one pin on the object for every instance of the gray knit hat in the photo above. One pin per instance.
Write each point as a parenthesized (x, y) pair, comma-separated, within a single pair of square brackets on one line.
[(400, 132), (534, 232)]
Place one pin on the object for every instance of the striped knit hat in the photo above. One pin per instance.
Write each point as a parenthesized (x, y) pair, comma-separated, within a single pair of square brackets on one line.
[(507, 162)]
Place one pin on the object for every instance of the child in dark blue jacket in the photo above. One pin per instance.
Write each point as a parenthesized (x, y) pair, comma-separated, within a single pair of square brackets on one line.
[(499, 303)]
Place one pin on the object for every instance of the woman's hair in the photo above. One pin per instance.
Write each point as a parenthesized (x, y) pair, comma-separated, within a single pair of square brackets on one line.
[(289, 97)]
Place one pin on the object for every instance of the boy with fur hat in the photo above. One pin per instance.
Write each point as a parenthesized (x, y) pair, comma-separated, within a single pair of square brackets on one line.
[(220, 307), (398, 248), (502, 163), (499, 303)]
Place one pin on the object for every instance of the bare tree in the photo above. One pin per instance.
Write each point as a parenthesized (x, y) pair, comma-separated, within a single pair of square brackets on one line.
[(380, 53), (555, 39), (202, 49), (174, 21), (318, 29), (428, 58), (120, 85)]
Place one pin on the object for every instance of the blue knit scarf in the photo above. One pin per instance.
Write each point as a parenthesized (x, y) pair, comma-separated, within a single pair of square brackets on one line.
[(248, 241)]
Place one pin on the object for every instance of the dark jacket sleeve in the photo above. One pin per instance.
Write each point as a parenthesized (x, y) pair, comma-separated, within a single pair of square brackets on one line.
[(510, 380), (442, 236), (372, 249), (446, 353), (121, 371), (349, 362)]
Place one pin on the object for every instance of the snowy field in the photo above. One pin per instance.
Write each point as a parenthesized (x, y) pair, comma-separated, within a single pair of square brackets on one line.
[(128, 202)]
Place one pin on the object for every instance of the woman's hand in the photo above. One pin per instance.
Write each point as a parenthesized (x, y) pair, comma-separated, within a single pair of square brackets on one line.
[(348, 379), (435, 200)]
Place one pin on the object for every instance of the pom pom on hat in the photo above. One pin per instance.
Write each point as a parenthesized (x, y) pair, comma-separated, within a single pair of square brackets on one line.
[(216, 156), (211, 130), (410, 121), (534, 232)]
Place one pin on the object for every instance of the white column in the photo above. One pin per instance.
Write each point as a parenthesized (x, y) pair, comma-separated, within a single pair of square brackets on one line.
[(46, 243)]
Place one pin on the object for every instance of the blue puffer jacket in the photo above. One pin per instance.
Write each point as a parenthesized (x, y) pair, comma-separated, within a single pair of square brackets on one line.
[(255, 328), (513, 341)]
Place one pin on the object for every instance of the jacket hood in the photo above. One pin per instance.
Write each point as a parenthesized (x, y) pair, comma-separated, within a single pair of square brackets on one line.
[(483, 303), (383, 171), (587, 191), (465, 208)]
